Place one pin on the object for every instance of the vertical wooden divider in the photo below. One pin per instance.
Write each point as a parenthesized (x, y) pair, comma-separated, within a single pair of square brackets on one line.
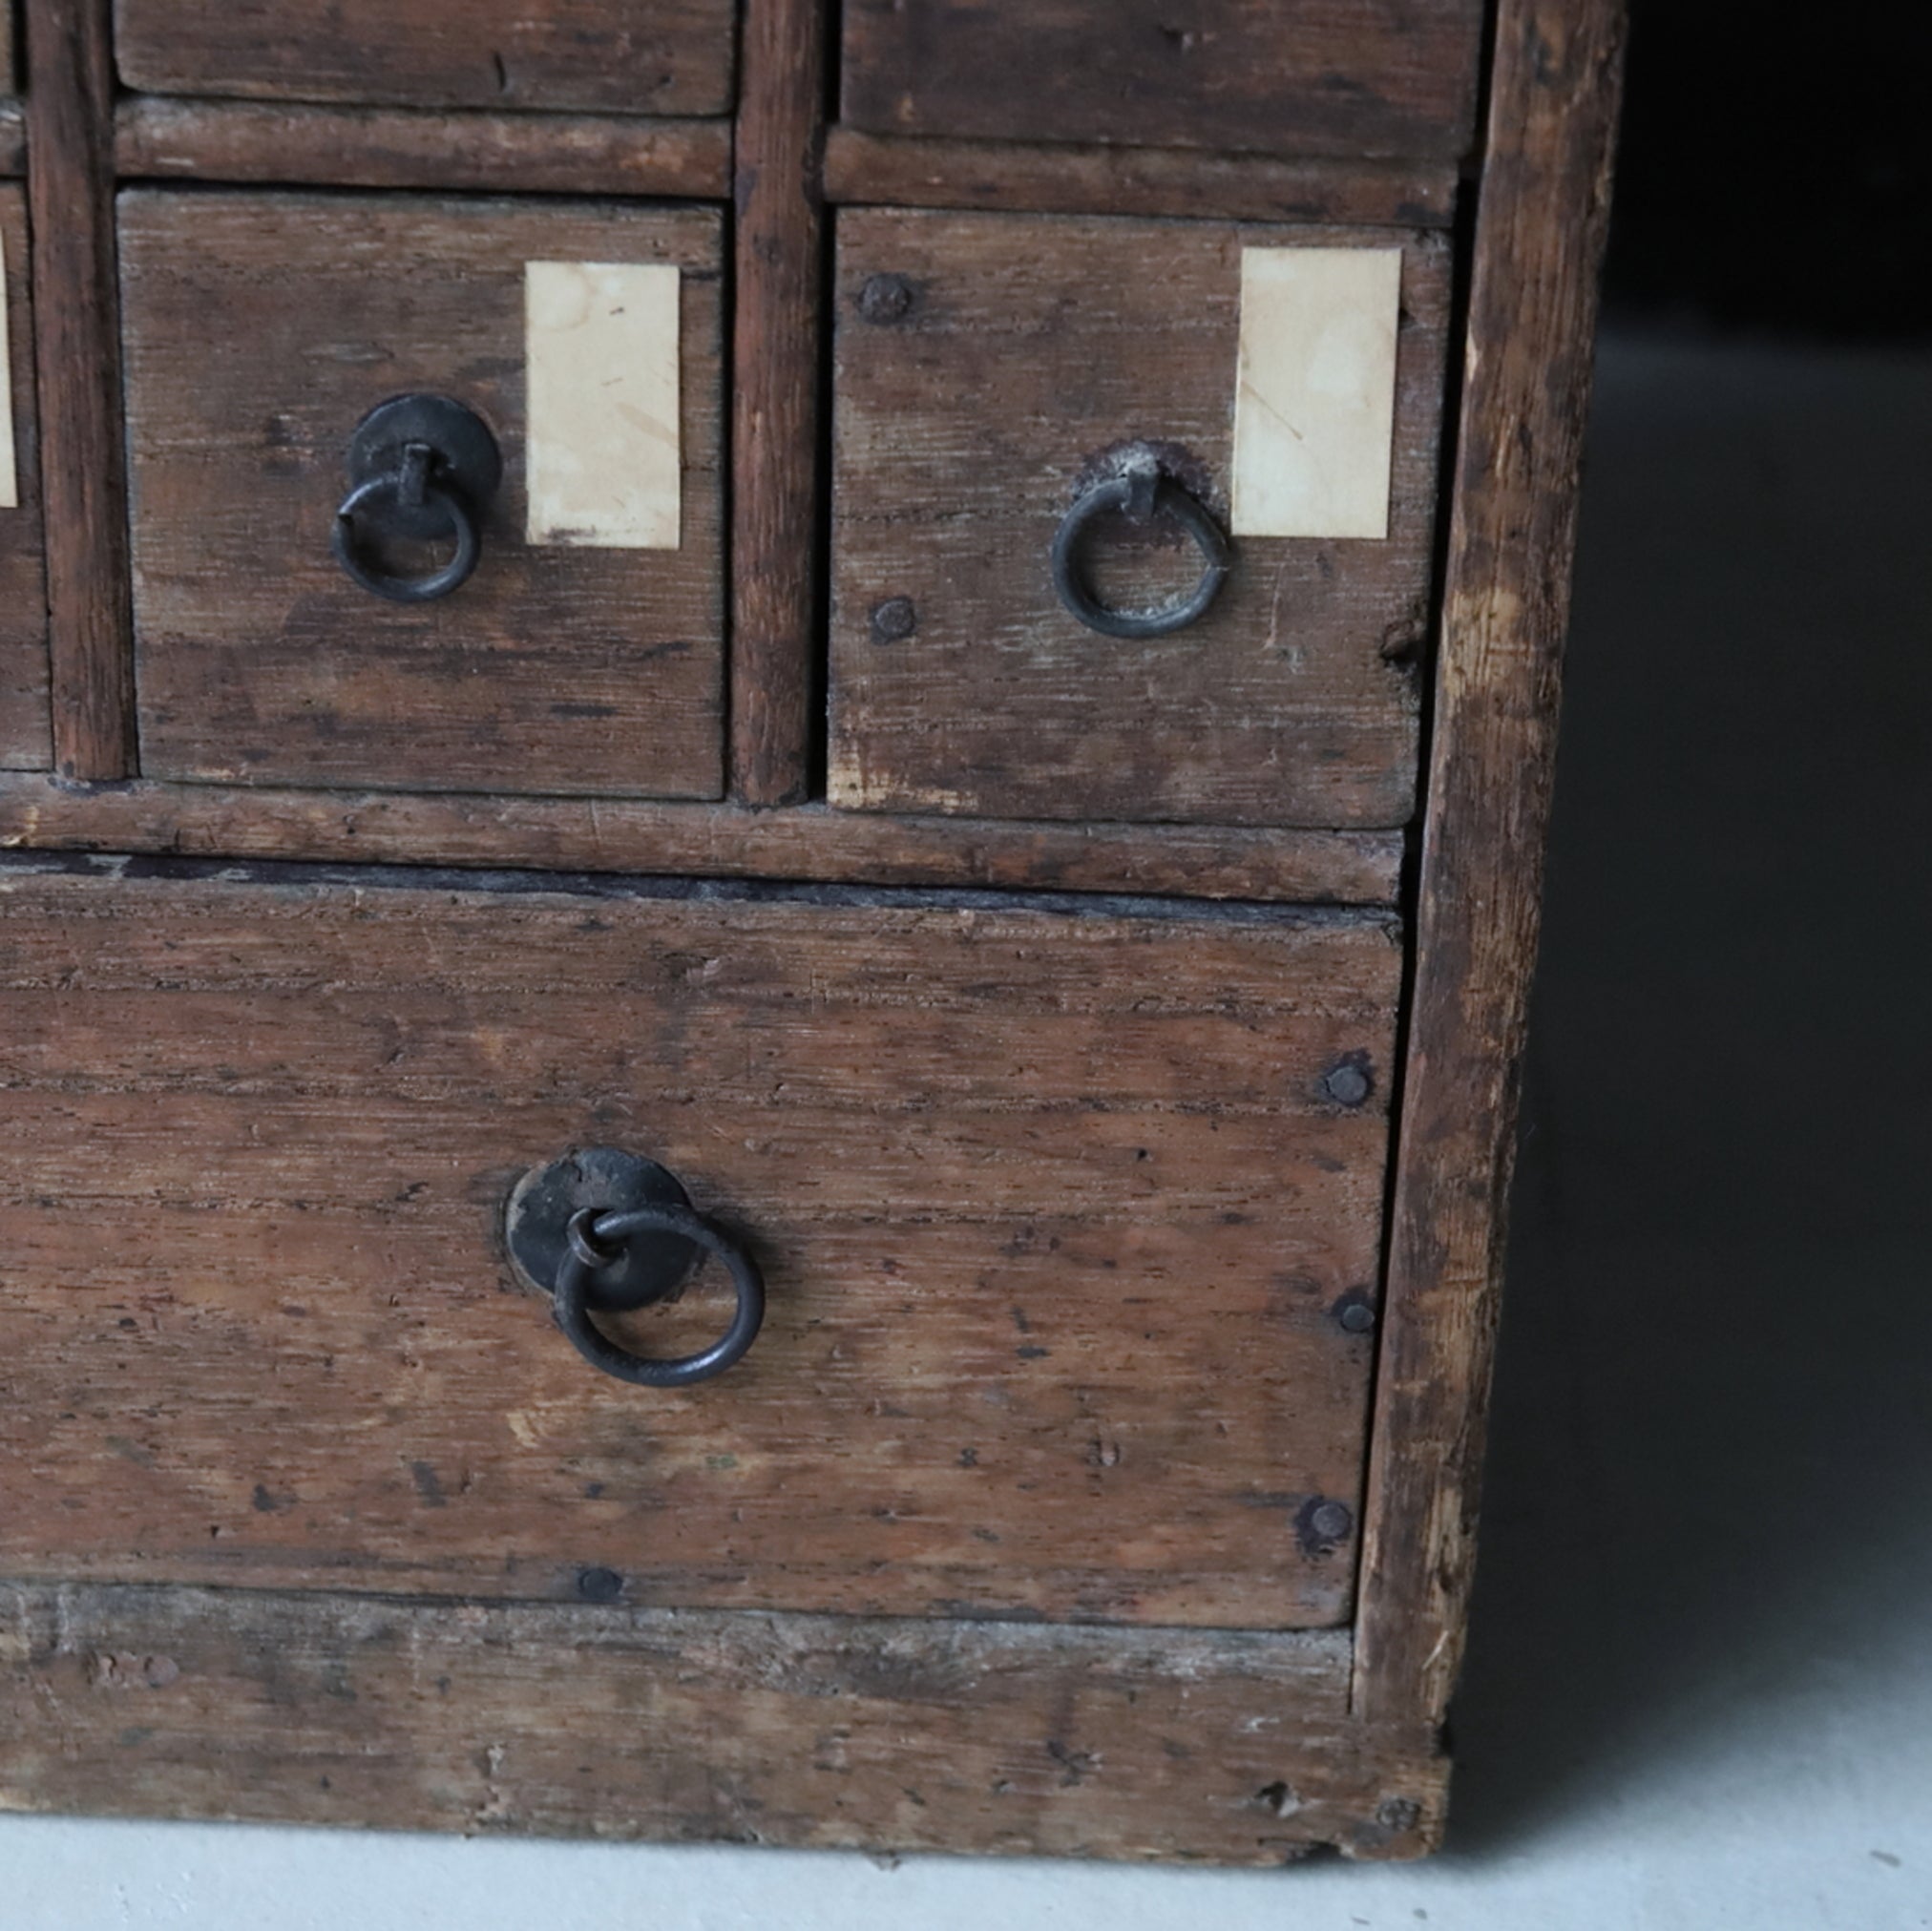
[(1539, 232), (779, 268), (76, 321)]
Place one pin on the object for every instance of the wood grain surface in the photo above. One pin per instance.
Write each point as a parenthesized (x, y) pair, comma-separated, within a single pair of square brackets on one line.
[(777, 309), (1059, 1214), (808, 842), (260, 329), (78, 358), (1539, 246), (25, 743), (660, 56), (368, 147), (13, 138), (962, 431), (1057, 178), (1320, 76), (690, 1726)]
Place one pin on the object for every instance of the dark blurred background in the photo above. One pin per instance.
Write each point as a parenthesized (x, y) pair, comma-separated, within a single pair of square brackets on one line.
[(1776, 171)]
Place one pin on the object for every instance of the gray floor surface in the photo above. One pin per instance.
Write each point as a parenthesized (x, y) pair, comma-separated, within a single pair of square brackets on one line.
[(1700, 1687)]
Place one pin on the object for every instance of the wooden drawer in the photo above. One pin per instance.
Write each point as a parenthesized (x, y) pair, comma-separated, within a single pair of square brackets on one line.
[(620, 56), (988, 367), (1334, 77), (1070, 1221), (260, 329), (23, 577)]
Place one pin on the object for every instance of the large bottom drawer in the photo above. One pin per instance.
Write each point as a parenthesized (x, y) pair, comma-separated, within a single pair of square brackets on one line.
[(1068, 1211)]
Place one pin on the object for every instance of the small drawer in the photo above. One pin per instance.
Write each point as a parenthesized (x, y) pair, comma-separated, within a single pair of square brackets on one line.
[(1069, 1222), (612, 56), (999, 376), (585, 652), (1350, 77), (23, 743)]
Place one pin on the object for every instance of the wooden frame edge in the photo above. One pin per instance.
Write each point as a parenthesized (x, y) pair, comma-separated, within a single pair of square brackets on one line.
[(777, 326), (77, 329), (1538, 238), (1065, 179), (159, 137), (810, 843)]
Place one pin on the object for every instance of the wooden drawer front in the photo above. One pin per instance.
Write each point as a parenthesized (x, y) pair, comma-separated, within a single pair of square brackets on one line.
[(259, 330), (1318, 76), (1060, 1217), (1031, 348), (618, 56), (23, 743)]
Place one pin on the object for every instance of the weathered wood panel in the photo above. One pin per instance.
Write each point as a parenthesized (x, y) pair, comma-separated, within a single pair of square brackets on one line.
[(1539, 244), (809, 841), (683, 1725), (259, 330), (25, 742), (1055, 177), (778, 306), (77, 352), (13, 138), (8, 33), (366, 147), (1320, 76), (1059, 1214), (966, 422), (619, 57)]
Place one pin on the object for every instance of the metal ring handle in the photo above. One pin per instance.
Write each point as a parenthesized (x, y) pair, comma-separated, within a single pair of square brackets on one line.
[(1141, 495), (393, 491), (594, 1234)]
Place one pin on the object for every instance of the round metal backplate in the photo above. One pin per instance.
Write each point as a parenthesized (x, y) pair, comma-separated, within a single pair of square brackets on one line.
[(468, 459), (537, 1218)]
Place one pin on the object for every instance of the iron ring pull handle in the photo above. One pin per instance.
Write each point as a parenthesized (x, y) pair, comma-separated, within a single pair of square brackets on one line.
[(421, 467), (594, 1238), (1139, 493)]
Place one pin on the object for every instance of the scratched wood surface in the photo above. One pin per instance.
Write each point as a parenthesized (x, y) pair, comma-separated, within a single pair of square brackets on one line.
[(1320, 76), (963, 428), (691, 1725), (1059, 1213), (23, 741), (661, 57), (260, 329)]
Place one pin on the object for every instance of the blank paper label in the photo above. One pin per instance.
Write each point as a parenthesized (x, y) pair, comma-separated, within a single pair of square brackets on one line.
[(1315, 402), (9, 478), (600, 350)]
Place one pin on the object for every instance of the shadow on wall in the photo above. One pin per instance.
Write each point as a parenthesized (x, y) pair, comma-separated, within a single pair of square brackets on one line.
[(1711, 1462)]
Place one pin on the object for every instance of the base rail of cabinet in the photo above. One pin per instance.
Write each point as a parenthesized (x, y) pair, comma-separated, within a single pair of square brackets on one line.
[(898, 1733)]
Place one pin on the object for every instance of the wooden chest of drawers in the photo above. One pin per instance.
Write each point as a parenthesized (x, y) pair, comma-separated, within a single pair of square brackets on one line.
[(770, 874)]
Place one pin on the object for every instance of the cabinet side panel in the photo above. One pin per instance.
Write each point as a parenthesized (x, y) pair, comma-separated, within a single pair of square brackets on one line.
[(1539, 246)]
